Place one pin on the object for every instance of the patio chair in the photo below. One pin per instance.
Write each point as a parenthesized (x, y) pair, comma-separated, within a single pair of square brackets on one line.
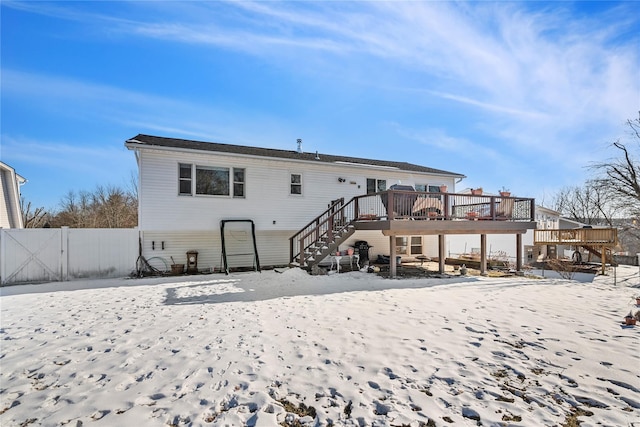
[(504, 210)]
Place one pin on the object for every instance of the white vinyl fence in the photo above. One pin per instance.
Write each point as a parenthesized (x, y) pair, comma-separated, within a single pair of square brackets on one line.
[(60, 254)]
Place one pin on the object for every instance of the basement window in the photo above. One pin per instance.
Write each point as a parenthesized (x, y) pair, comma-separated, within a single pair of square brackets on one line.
[(409, 245)]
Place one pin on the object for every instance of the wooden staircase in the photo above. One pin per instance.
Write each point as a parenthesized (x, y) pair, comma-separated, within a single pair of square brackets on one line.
[(326, 246), (322, 236), (605, 255), (597, 241)]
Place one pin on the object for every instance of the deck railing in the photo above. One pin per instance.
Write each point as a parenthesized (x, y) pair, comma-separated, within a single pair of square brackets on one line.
[(396, 204), (577, 236), (320, 228), (402, 205)]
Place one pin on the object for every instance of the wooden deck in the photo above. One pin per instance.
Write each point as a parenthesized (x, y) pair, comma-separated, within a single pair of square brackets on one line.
[(607, 237), (423, 228), (419, 213), (597, 241), (397, 213)]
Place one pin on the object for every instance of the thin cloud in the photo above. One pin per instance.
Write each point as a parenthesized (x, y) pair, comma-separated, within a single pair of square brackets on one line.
[(141, 111), (15, 82), (445, 145), (61, 156), (505, 58), (491, 107)]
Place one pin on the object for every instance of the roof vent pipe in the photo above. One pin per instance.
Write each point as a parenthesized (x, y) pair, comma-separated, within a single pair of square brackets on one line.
[(299, 141)]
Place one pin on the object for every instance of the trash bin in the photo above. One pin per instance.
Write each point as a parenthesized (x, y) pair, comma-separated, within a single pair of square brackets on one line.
[(177, 269), (398, 260)]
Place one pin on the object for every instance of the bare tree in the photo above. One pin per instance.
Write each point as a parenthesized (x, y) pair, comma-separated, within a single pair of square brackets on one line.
[(105, 207), (32, 217), (115, 208), (589, 204), (620, 176)]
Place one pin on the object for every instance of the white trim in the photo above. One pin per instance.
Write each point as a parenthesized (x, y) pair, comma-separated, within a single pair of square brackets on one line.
[(14, 181)]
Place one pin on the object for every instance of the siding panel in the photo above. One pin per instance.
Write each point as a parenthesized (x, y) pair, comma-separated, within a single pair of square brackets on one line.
[(193, 222), (267, 191), (273, 248)]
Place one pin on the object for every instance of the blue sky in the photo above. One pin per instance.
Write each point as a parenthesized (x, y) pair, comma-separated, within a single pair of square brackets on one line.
[(517, 94)]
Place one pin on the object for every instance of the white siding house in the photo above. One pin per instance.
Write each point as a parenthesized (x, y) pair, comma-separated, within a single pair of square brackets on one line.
[(186, 188), (10, 212)]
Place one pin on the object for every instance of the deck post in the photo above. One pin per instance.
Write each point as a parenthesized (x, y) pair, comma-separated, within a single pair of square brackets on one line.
[(483, 254), (518, 253), (441, 252), (603, 257), (392, 257)]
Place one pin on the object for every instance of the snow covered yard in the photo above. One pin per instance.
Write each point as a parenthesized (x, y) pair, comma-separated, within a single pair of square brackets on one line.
[(354, 349)]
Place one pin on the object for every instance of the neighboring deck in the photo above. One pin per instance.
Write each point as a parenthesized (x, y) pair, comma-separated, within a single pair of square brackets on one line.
[(600, 237), (597, 241)]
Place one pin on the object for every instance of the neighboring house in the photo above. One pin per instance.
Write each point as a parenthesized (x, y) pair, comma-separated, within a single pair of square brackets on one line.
[(10, 212), (186, 188)]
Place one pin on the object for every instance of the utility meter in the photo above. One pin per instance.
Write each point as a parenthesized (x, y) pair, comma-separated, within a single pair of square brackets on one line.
[(192, 262)]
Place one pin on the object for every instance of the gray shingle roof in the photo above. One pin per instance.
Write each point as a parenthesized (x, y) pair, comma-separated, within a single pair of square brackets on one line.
[(158, 141)]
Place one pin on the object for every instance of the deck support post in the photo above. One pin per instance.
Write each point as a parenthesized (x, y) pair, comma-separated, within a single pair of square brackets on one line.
[(483, 254), (603, 257), (518, 253), (441, 252), (392, 257)]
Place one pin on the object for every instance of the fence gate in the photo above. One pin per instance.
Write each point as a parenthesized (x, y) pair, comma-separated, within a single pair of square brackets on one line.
[(31, 255)]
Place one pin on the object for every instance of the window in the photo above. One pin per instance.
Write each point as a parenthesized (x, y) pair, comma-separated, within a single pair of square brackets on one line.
[(409, 245), (238, 182), (416, 245), (401, 245), (376, 185), (184, 179), (296, 183), (428, 188), (212, 181)]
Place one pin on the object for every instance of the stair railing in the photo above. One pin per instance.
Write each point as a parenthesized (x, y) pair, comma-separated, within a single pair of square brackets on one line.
[(337, 217)]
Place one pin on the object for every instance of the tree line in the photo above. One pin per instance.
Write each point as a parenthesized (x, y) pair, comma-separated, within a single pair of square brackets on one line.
[(104, 207)]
